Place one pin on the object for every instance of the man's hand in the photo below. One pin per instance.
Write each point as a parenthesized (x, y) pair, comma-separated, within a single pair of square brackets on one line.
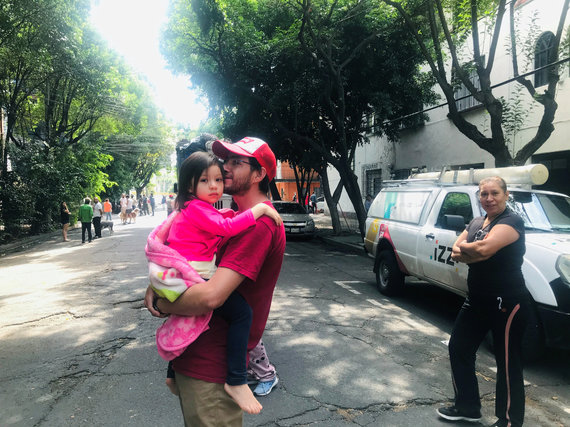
[(148, 300)]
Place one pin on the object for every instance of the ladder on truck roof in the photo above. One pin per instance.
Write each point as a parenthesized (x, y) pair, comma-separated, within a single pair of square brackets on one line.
[(533, 174)]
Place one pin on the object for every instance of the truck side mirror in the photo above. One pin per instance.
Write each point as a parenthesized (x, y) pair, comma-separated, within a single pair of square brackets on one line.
[(454, 222)]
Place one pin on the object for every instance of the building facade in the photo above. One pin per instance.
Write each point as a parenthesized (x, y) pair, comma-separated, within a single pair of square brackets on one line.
[(438, 143)]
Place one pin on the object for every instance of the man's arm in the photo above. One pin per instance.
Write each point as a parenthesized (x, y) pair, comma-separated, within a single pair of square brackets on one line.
[(200, 298)]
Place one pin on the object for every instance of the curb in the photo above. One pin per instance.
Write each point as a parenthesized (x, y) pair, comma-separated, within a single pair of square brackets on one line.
[(357, 248)]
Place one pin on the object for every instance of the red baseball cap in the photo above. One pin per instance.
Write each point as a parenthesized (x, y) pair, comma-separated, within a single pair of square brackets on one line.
[(249, 147)]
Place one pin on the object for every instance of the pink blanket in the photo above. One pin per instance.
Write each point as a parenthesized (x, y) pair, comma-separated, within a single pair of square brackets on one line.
[(177, 332)]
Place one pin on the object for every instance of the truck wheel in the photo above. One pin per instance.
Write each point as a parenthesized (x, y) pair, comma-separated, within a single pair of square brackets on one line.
[(389, 278)]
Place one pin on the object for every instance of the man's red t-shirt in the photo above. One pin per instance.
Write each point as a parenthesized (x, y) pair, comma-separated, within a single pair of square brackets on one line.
[(257, 254)]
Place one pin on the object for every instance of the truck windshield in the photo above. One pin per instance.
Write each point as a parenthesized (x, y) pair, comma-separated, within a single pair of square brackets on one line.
[(547, 212)]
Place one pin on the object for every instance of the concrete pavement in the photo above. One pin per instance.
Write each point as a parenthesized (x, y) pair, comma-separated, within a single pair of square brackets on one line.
[(78, 345)]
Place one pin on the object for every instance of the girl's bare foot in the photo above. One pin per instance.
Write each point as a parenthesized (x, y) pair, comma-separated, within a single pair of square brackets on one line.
[(244, 398), (171, 384)]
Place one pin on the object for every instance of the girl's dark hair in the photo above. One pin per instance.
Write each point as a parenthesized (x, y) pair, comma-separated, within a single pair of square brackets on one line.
[(190, 171)]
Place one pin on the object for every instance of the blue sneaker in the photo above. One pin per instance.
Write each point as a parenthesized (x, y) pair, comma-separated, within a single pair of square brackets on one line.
[(264, 387)]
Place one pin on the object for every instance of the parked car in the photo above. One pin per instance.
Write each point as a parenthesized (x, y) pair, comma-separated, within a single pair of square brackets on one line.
[(412, 225), (296, 220)]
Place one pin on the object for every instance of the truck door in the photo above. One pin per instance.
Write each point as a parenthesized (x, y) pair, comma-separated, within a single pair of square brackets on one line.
[(435, 242)]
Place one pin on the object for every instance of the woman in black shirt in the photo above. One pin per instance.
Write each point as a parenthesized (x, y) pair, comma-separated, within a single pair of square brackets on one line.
[(497, 301), (64, 217)]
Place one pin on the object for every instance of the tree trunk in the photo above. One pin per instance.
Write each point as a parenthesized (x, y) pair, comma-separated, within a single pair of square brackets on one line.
[(332, 201), (350, 182)]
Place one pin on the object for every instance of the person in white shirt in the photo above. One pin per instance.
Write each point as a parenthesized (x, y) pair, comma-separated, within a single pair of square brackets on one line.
[(97, 214), (130, 204), (124, 203)]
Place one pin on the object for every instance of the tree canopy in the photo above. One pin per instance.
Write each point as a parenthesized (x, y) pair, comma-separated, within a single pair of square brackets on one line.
[(301, 74), (66, 97), (454, 51)]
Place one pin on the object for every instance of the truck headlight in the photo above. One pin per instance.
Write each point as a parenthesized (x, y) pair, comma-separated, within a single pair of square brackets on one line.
[(563, 267)]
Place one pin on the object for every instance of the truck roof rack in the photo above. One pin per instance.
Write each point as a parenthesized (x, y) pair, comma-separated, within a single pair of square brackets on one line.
[(533, 174)]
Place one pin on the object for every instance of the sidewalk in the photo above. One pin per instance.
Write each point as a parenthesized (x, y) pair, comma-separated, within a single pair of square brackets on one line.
[(30, 241), (347, 240)]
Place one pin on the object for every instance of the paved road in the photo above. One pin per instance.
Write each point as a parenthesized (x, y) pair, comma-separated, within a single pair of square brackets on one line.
[(78, 346)]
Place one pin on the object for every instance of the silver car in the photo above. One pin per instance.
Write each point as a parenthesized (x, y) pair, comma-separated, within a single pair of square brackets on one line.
[(296, 220)]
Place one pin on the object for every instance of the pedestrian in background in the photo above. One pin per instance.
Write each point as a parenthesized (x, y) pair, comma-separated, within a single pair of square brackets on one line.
[(131, 204), (97, 215), (169, 205), (107, 209), (64, 217), (85, 216), (124, 203), (368, 202), (145, 204), (313, 202), (498, 301), (152, 203)]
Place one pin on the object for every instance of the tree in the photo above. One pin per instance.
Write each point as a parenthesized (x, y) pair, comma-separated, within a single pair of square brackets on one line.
[(302, 73), (434, 17), (65, 95)]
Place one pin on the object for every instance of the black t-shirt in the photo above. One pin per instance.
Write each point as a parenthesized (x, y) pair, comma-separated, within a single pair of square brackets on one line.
[(64, 216), (501, 274)]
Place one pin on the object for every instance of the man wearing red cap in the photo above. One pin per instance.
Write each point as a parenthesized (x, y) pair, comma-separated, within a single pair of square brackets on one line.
[(250, 263)]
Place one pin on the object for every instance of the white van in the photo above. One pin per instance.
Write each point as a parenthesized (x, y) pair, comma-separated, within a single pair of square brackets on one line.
[(412, 225)]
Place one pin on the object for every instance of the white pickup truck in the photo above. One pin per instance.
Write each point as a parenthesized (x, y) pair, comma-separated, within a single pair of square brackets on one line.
[(412, 225)]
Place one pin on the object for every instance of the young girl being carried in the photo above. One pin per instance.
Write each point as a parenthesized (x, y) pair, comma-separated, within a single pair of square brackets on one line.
[(182, 251)]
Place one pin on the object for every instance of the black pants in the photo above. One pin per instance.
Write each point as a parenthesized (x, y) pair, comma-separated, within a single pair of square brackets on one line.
[(506, 319), (85, 226), (97, 225), (237, 312)]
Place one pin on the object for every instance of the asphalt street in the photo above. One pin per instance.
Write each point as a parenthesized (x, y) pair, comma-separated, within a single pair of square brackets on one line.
[(78, 345)]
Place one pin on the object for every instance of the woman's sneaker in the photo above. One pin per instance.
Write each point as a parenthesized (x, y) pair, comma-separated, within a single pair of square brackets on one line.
[(453, 414), (264, 387)]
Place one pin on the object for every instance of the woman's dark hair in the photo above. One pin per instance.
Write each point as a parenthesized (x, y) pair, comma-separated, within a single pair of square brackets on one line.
[(190, 171)]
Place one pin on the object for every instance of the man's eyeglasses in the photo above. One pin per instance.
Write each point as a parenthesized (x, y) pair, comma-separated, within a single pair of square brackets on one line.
[(235, 162)]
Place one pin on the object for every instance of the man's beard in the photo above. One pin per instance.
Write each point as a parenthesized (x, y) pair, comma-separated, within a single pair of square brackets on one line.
[(237, 188)]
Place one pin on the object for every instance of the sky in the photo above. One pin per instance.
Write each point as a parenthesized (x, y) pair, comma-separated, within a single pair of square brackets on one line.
[(132, 28)]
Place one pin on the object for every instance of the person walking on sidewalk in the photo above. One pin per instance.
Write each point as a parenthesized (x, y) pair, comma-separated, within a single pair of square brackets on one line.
[(152, 203), (250, 263), (85, 216), (64, 216), (97, 215), (498, 301), (107, 210)]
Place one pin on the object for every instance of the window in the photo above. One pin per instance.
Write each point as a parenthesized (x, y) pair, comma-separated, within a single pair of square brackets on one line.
[(541, 53), (455, 204), (373, 181), (404, 206), (465, 100)]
